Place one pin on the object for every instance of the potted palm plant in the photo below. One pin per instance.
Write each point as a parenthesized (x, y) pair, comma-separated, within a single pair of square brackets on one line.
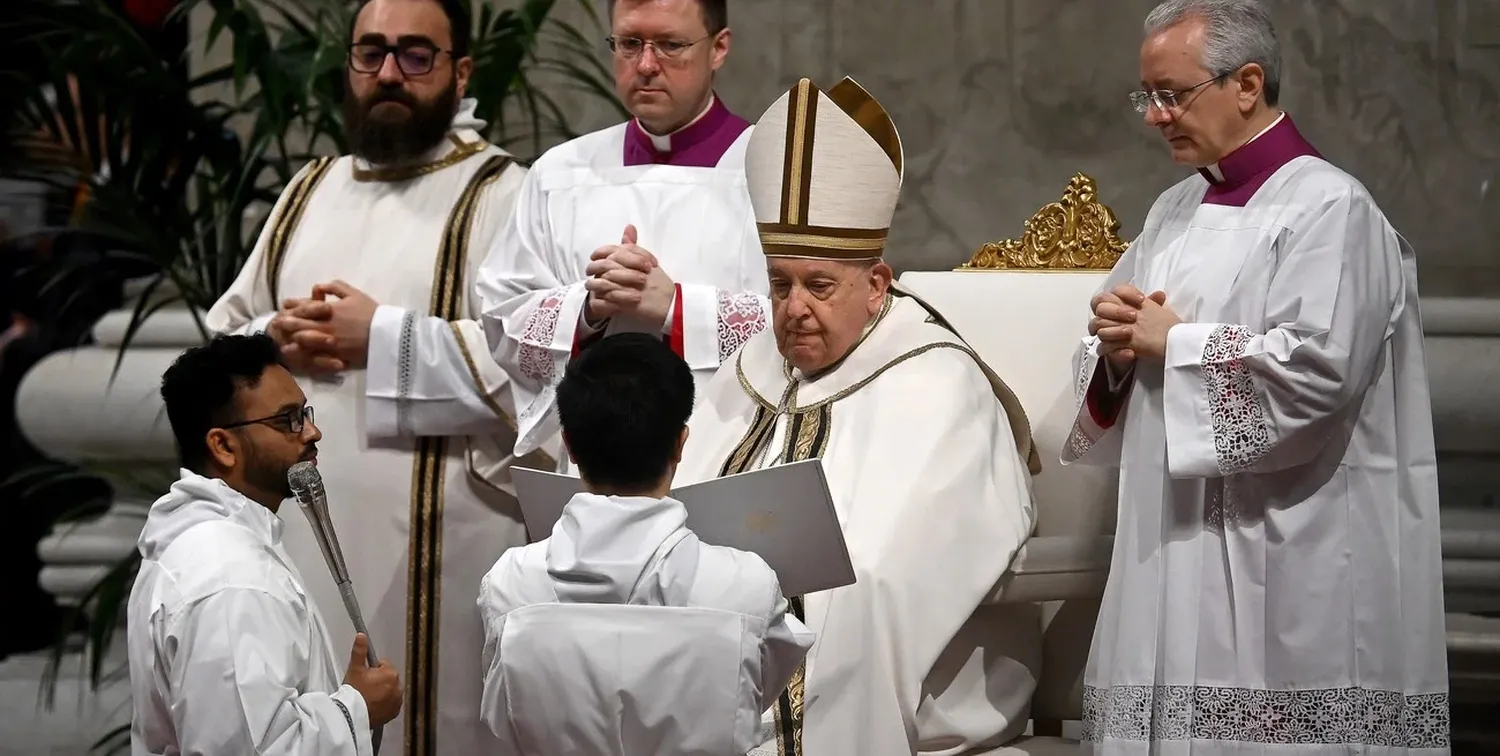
[(170, 170)]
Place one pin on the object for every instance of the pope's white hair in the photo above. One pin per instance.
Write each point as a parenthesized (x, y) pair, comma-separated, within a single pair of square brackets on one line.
[(1236, 32)]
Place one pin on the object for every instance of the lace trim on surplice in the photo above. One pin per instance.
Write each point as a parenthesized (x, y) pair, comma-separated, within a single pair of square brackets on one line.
[(1242, 433), (740, 317), (1329, 716), (536, 359)]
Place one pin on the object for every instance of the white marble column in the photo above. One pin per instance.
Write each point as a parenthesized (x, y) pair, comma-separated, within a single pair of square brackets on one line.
[(74, 406)]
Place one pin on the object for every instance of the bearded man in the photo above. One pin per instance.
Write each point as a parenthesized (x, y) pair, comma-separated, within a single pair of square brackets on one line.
[(361, 275)]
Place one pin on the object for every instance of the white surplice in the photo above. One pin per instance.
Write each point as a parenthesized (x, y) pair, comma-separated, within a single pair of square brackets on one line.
[(934, 501), (227, 655), (416, 447), (1276, 582), (580, 196), (622, 634)]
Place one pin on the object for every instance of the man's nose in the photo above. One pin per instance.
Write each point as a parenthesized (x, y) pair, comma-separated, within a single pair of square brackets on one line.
[(796, 304), (311, 434), (647, 64), (390, 70), (1157, 116)]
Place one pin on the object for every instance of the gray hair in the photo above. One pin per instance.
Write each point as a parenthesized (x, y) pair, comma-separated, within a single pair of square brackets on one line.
[(1236, 32)]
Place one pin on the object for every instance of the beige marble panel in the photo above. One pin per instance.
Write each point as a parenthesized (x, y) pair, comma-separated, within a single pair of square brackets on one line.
[(1000, 101)]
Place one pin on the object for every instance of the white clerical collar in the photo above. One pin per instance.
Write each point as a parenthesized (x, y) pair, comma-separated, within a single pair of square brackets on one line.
[(663, 143), (1213, 168)]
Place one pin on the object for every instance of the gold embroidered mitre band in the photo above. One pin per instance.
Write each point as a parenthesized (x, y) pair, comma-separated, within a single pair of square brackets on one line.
[(824, 170)]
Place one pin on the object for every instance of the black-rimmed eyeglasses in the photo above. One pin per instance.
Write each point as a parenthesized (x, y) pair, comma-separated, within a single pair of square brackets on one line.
[(290, 421), (413, 58)]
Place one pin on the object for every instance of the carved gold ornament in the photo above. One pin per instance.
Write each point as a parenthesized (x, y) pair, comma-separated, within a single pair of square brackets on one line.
[(1076, 233)]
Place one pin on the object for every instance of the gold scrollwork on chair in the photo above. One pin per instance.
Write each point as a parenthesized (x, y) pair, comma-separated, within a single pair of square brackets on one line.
[(1076, 233)]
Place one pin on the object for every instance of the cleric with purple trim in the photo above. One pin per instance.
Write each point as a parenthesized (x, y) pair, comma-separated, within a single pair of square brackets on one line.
[(643, 226), (1276, 583)]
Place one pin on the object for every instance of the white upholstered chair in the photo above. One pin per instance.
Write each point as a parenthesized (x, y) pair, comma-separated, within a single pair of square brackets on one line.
[(1022, 305)]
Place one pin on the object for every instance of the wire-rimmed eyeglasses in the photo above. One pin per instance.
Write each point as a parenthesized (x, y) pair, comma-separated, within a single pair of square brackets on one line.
[(289, 421), (413, 58), (1165, 99), (631, 47)]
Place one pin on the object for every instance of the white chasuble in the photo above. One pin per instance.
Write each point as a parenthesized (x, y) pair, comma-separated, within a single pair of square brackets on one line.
[(415, 445), (580, 196), (934, 500), (1276, 585)]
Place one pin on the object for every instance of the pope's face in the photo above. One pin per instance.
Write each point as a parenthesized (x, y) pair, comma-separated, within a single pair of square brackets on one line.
[(819, 308), (1204, 124), (665, 84)]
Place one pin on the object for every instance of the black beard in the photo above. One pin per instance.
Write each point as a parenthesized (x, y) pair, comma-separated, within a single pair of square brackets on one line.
[(384, 141), (266, 475)]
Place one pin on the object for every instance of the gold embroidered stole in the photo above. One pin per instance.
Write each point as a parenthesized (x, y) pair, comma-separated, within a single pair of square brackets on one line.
[(298, 193), (806, 438), (425, 550)]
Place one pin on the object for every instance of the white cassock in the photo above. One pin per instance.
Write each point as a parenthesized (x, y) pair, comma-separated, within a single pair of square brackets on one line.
[(227, 655), (623, 634), (1276, 584), (694, 217), (934, 500), (416, 445)]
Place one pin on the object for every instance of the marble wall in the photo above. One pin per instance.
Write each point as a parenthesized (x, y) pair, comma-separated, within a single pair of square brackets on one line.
[(999, 102)]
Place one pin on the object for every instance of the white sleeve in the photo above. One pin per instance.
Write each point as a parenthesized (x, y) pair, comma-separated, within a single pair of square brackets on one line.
[(1267, 396), (716, 322), (1100, 395), (786, 644), (238, 684), (247, 306), (494, 706), (530, 304), (428, 376)]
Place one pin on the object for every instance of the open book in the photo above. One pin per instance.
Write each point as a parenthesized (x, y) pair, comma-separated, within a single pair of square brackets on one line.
[(783, 513)]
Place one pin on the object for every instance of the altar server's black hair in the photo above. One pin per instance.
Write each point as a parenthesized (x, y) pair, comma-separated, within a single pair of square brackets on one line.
[(623, 403), (460, 24), (199, 388)]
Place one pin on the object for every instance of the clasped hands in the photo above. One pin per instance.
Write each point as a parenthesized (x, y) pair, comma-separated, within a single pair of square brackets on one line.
[(625, 279), (1131, 325), (319, 336)]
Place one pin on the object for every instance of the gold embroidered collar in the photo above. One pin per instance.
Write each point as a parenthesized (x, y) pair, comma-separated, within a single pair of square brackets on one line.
[(461, 151)]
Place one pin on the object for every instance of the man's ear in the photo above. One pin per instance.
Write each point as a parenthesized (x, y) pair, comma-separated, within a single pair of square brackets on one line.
[(463, 68), (681, 444), (880, 282), (223, 448), (567, 447), (1252, 81), (720, 50)]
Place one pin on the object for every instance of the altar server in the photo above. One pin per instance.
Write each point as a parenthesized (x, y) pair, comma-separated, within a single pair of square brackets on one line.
[(363, 274), (622, 633), (1276, 583), (227, 655), (643, 226), (927, 453)]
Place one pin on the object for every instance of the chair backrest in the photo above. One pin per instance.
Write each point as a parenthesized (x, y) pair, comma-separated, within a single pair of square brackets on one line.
[(1023, 305)]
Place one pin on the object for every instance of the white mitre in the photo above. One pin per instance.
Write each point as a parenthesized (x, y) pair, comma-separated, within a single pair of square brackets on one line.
[(824, 170)]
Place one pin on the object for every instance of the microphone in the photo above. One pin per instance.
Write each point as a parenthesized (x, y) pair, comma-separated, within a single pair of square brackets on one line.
[(307, 487)]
